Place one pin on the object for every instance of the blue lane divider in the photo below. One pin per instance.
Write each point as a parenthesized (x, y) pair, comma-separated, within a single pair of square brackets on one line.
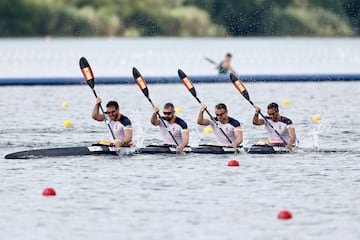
[(175, 79)]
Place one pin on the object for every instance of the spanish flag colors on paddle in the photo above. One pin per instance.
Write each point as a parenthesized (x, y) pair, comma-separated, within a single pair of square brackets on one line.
[(187, 82), (87, 72), (240, 86), (140, 81)]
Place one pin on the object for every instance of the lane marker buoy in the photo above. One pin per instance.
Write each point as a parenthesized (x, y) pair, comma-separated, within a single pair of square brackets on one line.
[(208, 130), (233, 163), (49, 192), (284, 215), (65, 105), (286, 102), (316, 118), (67, 123)]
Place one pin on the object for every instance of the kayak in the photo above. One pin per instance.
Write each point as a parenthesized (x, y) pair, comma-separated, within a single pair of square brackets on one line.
[(100, 149), (204, 149), (95, 149)]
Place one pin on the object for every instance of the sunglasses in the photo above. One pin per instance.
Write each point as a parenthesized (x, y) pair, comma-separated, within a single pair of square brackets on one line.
[(272, 113), (220, 114), (167, 113), (111, 112)]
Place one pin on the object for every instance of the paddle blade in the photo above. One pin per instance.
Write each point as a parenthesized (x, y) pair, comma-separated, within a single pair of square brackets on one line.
[(87, 72), (140, 82), (240, 86), (187, 82)]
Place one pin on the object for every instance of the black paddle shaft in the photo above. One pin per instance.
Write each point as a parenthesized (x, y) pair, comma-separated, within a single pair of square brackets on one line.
[(90, 80)]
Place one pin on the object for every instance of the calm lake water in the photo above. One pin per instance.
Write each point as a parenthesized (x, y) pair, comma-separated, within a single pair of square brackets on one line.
[(179, 197)]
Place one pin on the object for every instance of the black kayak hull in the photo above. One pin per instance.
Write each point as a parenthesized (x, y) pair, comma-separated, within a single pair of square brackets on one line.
[(98, 149)]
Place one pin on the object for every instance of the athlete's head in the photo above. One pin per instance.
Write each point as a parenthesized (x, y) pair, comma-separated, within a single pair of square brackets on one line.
[(168, 111), (221, 112), (273, 111), (112, 109)]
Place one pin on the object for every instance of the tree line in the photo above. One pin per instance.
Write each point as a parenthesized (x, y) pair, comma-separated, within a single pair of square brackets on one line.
[(180, 18)]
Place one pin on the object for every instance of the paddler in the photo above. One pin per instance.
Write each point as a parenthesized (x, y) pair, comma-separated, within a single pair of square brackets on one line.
[(173, 129), (282, 125), (225, 125), (119, 123), (224, 66)]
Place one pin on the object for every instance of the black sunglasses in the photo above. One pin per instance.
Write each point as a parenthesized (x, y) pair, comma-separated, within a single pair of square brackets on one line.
[(167, 113)]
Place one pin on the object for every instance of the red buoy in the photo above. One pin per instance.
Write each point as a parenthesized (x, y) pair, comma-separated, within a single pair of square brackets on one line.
[(49, 192), (233, 163), (284, 215)]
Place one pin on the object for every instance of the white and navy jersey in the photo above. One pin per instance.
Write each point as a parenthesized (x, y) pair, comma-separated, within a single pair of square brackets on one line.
[(119, 126), (228, 128), (175, 128), (281, 127)]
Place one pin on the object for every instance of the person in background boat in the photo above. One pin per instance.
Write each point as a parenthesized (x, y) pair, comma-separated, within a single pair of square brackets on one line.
[(119, 123), (177, 126), (229, 125), (283, 125), (224, 66)]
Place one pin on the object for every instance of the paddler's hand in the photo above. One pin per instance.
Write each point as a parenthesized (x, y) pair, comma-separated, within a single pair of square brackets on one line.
[(234, 145), (257, 109), (203, 107), (155, 110), (98, 101), (117, 143), (181, 147), (290, 147)]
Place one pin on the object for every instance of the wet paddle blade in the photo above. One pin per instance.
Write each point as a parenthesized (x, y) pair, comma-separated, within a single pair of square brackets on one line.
[(240, 86), (140, 81), (187, 82), (87, 72)]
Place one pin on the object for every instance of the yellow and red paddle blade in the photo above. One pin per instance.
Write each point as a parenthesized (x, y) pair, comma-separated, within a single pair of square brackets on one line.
[(87, 72), (140, 82), (187, 82), (240, 86)]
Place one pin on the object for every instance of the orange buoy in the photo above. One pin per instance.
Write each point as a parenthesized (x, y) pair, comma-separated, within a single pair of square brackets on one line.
[(49, 192), (233, 163), (284, 215)]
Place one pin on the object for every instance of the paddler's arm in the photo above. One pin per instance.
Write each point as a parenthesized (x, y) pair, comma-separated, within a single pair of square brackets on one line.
[(256, 120), (239, 137), (154, 118), (128, 132), (201, 120), (127, 137), (185, 139), (292, 140), (96, 115)]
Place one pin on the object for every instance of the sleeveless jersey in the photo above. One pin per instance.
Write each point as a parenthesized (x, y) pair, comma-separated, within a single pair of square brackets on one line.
[(119, 126), (175, 128), (222, 70), (228, 128), (281, 127)]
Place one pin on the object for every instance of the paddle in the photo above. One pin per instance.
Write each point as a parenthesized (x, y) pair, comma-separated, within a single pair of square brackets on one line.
[(241, 87), (90, 80), (190, 86), (142, 85), (210, 60)]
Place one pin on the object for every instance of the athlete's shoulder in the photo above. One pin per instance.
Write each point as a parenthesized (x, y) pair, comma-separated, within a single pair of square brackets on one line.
[(234, 122), (286, 120), (181, 122), (125, 120)]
